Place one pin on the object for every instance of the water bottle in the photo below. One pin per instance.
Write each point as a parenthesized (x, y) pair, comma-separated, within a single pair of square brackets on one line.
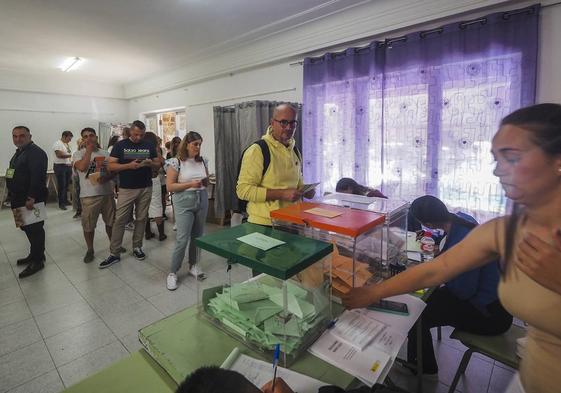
[(427, 246)]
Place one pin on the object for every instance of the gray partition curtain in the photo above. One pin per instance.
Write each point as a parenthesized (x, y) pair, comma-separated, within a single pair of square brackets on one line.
[(235, 128)]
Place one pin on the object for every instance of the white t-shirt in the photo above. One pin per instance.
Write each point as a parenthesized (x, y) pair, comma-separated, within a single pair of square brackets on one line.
[(98, 164), (188, 170), (63, 147)]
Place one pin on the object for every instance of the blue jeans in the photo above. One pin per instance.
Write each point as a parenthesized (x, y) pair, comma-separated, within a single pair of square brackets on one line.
[(190, 210)]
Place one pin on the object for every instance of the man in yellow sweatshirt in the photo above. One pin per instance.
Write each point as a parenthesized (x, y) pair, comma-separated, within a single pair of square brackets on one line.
[(280, 185)]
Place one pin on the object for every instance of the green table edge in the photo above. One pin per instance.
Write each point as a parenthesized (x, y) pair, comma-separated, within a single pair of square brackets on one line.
[(137, 373), (307, 364)]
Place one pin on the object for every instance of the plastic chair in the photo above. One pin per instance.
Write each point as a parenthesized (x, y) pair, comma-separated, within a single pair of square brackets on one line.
[(501, 348)]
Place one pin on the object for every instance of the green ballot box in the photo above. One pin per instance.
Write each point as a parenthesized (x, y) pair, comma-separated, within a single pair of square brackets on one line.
[(286, 302)]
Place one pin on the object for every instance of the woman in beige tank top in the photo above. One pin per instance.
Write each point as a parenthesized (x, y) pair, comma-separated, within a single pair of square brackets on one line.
[(527, 149)]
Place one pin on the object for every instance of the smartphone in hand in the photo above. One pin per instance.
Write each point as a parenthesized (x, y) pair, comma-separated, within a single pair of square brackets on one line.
[(390, 306)]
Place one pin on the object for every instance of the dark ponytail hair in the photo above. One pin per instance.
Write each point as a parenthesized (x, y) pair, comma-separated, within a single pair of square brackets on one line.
[(543, 121), (346, 183)]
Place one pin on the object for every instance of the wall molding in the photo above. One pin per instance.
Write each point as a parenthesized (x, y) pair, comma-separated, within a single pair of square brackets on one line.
[(365, 20), (246, 96), (56, 112), (61, 94)]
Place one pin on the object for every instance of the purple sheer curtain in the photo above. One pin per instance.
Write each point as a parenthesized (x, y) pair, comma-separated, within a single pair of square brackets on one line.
[(415, 115)]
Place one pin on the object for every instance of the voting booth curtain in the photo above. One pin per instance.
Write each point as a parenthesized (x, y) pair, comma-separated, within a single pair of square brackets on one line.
[(235, 128), (415, 115)]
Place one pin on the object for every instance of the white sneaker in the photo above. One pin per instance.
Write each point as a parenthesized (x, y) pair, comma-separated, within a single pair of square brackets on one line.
[(175, 228), (172, 281), (197, 272)]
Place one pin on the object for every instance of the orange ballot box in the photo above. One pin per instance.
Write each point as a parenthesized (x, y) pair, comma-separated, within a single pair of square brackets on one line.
[(353, 232)]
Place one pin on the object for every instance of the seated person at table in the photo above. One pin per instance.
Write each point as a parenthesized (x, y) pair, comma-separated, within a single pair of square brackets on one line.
[(469, 301), (218, 380), (349, 186)]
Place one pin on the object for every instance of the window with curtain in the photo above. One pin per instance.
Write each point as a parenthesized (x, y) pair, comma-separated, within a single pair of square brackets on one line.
[(416, 115)]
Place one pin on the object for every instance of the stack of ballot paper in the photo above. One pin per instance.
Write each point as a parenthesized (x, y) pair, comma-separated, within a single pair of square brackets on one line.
[(255, 311), (342, 273), (357, 330), (365, 343)]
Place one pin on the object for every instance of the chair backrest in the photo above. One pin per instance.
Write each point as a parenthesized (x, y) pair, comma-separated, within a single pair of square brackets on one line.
[(501, 347)]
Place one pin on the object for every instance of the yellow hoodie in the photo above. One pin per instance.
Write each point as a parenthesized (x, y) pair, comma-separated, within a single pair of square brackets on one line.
[(285, 171)]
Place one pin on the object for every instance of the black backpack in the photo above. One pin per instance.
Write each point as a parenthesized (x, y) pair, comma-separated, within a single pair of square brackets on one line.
[(242, 204)]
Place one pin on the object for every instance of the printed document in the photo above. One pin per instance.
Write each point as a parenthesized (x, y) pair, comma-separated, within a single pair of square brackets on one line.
[(23, 216), (357, 330), (365, 365), (339, 347), (259, 373)]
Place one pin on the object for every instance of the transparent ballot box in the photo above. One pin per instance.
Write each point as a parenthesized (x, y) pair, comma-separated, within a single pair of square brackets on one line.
[(387, 244), (288, 299), (351, 230)]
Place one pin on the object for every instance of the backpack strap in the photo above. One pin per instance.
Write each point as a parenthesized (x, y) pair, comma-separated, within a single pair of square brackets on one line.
[(298, 154), (266, 154)]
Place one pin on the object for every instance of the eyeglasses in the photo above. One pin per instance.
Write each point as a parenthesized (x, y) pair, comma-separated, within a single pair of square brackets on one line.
[(285, 123)]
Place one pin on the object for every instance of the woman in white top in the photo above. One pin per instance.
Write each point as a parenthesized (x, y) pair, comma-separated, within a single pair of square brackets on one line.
[(187, 178)]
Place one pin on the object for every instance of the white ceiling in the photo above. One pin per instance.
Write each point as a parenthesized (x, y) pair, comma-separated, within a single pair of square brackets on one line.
[(128, 40)]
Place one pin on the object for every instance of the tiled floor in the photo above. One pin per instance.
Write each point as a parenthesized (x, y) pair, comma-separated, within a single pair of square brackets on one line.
[(72, 319)]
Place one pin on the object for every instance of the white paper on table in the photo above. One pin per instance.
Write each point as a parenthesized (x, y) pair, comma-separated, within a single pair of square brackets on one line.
[(357, 330), (260, 241), (23, 216), (259, 373), (366, 365), (389, 342), (398, 323)]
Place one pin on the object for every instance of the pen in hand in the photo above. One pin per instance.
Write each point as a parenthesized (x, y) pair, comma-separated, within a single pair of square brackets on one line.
[(275, 364)]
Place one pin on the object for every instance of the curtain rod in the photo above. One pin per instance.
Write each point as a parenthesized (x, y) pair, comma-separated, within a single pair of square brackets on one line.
[(241, 97), (438, 30)]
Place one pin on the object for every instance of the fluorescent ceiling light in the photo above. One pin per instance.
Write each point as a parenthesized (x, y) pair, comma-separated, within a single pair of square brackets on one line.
[(70, 64)]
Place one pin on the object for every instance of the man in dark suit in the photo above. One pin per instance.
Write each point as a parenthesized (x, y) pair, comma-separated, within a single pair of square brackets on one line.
[(26, 180)]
